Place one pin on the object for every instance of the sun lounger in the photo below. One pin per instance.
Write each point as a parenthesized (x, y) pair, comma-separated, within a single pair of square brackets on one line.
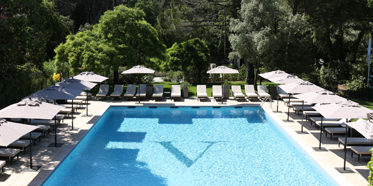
[(130, 91), (354, 141), (158, 92), (309, 114), (44, 122), (237, 92), (300, 104), (85, 94), (69, 106), (201, 92), (34, 136), (292, 100), (282, 94), (334, 130), (65, 111), (141, 91), (175, 92), (9, 154), (329, 123), (83, 98), (262, 91), (217, 92), (118, 91), (250, 92), (20, 144), (103, 91), (315, 119), (359, 151), (2, 163), (76, 102), (42, 129), (298, 109)]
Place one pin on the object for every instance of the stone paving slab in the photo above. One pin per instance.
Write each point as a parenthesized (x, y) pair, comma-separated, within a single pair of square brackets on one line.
[(49, 157)]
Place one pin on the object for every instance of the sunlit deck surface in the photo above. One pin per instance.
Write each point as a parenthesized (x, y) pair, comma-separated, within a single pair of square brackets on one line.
[(49, 157)]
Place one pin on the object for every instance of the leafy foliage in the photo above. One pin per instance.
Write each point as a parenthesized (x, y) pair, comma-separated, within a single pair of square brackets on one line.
[(192, 57)]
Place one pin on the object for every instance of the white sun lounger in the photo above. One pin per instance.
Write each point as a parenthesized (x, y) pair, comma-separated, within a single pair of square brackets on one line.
[(118, 91), (2, 163), (354, 141), (250, 92), (158, 92), (175, 92), (262, 91), (103, 91), (237, 92), (9, 154), (76, 102), (83, 98), (141, 91), (20, 144), (85, 94), (361, 150), (201, 92), (217, 92), (130, 91)]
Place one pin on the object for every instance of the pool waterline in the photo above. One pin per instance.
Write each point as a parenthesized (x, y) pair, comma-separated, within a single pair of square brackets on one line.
[(170, 146)]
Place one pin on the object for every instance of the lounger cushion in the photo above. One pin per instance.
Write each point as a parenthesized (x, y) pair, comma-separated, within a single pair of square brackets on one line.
[(9, 152), (217, 91), (158, 91), (355, 141), (237, 92), (361, 150), (201, 91), (175, 91), (20, 144), (118, 91)]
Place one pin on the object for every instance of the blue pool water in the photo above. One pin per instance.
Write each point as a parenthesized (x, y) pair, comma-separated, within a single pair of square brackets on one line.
[(204, 146)]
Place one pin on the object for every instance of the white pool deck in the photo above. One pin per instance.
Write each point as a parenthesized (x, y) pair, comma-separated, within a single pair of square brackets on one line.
[(49, 157)]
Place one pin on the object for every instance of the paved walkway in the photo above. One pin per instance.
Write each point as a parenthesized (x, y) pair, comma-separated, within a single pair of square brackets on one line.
[(49, 157)]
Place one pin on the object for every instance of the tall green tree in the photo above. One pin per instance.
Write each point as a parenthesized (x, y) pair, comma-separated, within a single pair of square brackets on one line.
[(135, 40), (254, 34), (121, 38), (192, 57)]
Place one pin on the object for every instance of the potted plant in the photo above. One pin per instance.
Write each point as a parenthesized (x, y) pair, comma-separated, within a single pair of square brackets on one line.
[(226, 89), (148, 79), (185, 87)]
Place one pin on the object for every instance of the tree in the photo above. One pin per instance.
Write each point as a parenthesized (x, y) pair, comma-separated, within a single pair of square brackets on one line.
[(192, 57), (86, 50), (254, 34), (135, 40), (121, 38)]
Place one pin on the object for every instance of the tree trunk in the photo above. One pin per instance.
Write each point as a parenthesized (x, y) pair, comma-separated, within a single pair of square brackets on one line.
[(249, 73), (116, 76)]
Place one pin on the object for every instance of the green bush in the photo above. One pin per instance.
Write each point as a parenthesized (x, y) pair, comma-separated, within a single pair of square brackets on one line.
[(361, 93)]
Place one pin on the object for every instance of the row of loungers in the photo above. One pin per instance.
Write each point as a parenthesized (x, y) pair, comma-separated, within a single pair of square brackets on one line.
[(12, 151), (176, 92), (359, 145)]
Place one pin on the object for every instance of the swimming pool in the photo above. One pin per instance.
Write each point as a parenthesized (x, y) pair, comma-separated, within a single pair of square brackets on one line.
[(187, 146)]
